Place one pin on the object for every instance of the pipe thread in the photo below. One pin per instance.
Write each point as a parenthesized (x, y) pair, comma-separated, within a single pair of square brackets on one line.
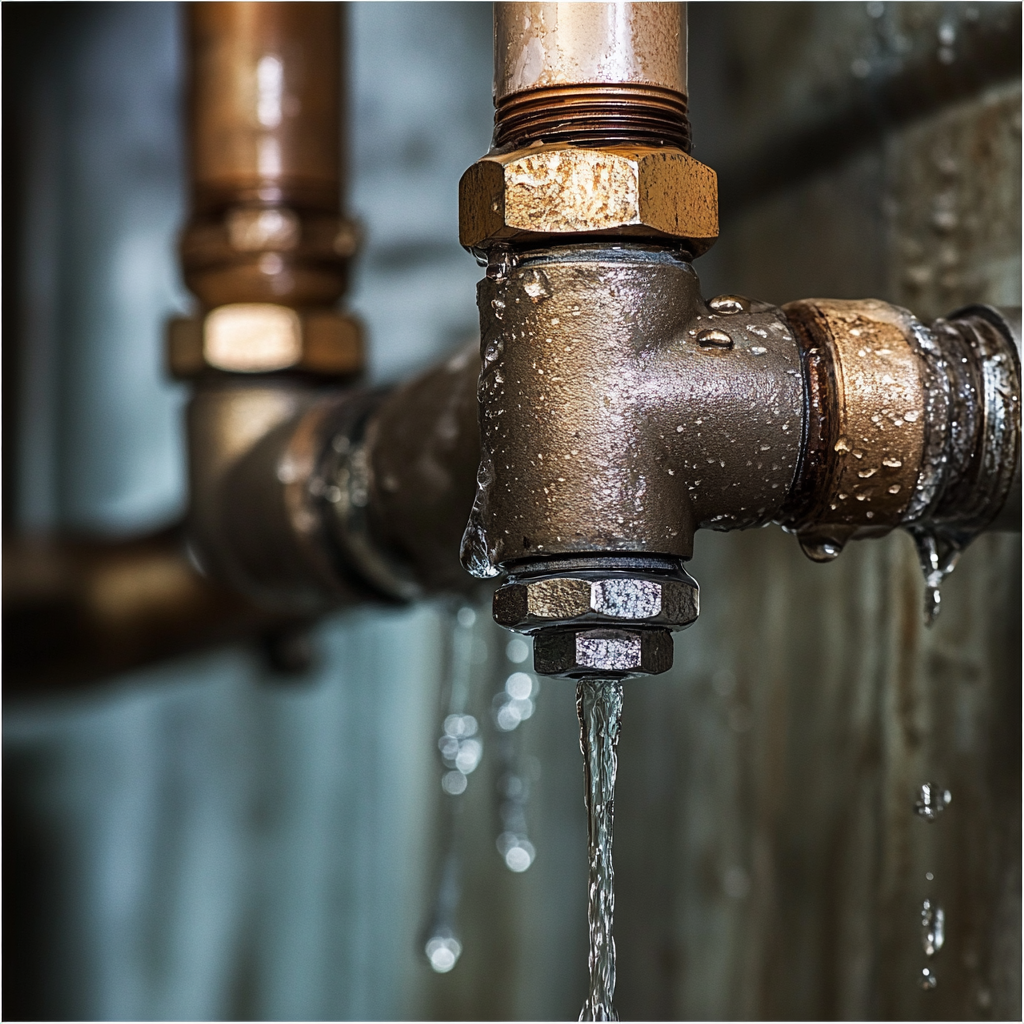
[(593, 115)]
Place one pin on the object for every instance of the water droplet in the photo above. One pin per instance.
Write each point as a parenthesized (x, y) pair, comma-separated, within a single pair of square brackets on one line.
[(931, 801), (729, 304), (820, 547), (454, 783), (928, 979), (714, 338), (498, 306), (736, 883), (758, 350), (536, 285), (519, 685), (929, 877), (443, 950), (517, 650), (933, 927)]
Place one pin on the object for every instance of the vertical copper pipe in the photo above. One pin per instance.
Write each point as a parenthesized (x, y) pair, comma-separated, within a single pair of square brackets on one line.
[(594, 73), (265, 154)]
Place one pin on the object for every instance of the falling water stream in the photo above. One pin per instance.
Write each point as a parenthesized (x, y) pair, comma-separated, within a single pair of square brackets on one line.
[(599, 705)]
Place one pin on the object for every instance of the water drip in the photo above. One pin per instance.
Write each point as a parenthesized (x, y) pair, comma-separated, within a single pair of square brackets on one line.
[(933, 927), (938, 551), (461, 749), (931, 801), (599, 706)]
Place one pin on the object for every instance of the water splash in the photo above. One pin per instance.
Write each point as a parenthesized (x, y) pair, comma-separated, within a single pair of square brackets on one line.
[(933, 927), (599, 706), (931, 801)]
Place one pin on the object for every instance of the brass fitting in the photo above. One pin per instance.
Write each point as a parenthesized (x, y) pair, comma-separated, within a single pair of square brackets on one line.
[(548, 194), (906, 424), (268, 253), (261, 337)]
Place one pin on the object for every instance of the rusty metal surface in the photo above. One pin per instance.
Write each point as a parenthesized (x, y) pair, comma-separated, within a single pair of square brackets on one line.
[(538, 45), (546, 195)]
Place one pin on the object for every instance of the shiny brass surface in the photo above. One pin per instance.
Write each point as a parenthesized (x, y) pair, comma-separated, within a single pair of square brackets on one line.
[(866, 427), (539, 45), (265, 337), (907, 424), (545, 195)]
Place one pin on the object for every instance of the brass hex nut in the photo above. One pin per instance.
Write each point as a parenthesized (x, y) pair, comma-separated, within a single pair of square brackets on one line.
[(527, 605), (576, 653), (541, 193), (262, 337)]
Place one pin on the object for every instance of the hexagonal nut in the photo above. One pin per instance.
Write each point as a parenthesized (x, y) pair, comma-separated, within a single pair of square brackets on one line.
[(529, 604), (538, 194), (261, 337), (575, 653)]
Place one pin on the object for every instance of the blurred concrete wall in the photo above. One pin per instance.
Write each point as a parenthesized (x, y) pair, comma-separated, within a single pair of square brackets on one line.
[(203, 841)]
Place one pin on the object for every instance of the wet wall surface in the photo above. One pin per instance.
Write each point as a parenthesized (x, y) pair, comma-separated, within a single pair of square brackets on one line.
[(205, 840)]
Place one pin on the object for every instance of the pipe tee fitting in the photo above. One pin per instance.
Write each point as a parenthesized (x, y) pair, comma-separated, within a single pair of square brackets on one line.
[(620, 412)]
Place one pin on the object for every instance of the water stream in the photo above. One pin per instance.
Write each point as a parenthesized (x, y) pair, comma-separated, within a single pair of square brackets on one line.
[(599, 706)]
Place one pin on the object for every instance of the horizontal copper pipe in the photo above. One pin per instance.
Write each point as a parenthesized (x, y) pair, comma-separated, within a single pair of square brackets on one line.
[(76, 611)]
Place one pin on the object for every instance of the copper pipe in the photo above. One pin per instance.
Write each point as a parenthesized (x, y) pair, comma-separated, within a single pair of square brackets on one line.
[(78, 610), (265, 155), (590, 74)]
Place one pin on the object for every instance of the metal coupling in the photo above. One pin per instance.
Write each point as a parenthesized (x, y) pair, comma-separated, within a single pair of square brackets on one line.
[(591, 134), (907, 424)]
